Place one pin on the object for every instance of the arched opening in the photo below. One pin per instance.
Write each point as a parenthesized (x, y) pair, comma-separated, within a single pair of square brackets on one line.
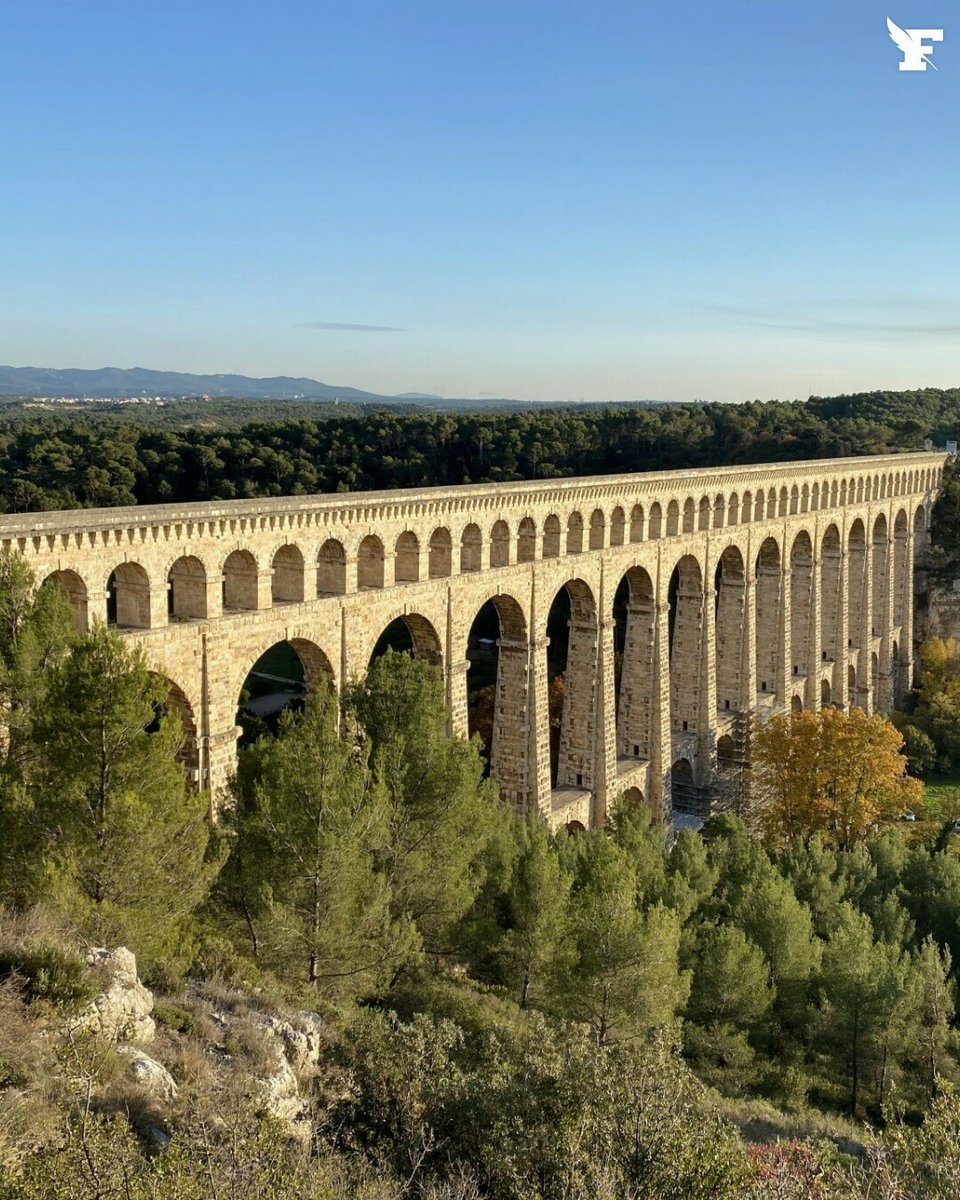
[(747, 507), (636, 522), (634, 614), (796, 704), (497, 703), (240, 578), (794, 500), (895, 680), (759, 506), (673, 518), (718, 512), (572, 633), (410, 634), (831, 595), (287, 585), (187, 590), (500, 545), (551, 537), (440, 554), (901, 570), (598, 527), (726, 753), (370, 563), (573, 828), (176, 704), (630, 799), (703, 520), (689, 515), (575, 534), (280, 679), (526, 541), (920, 535), (471, 549), (656, 521), (853, 699), (801, 604), (75, 590), (407, 561), (733, 509), (857, 585), (683, 792), (731, 587), (875, 681), (128, 597), (769, 599), (618, 525), (686, 650), (805, 497), (331, 569), (824, 693), (878, 584)]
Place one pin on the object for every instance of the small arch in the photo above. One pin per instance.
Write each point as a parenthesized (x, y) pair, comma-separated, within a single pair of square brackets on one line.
[(726, 753), (784, 502), (759, 505), (852, 686), (656, 521), (618, 523), (794, 500), (331, 569), (406, 565), (526, 541), (370, 563), (440, 554), (187, 589), (128, 597), (575, 534), (75, 590), (500, 544), (574, 828), (814, 497), (598, 529), (551, 537), (689, 515), (719, 512), (630, 799), (471, 549), (288, 576), (733, 510), (703, 513), (824, 693), (241, 576), (796, 705), (673, 518)]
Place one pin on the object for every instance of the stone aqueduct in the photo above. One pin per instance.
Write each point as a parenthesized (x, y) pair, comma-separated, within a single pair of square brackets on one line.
[(750, 590)]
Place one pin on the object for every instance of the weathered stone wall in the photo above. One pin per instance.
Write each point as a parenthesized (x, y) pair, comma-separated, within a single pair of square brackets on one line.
[(786, 592)]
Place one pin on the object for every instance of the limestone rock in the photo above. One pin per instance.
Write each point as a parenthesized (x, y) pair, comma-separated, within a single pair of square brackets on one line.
[(122, 1011), (152, 1076), (302, 1044)]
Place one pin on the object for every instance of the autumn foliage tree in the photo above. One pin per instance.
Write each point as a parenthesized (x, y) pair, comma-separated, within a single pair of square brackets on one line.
[(833, 773)]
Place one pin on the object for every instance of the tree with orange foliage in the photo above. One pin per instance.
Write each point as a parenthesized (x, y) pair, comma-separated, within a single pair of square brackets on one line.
[(833, 773)]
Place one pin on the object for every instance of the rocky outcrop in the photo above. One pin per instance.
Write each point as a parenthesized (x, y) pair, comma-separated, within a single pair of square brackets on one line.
[(152, 1076), (121, 1012)]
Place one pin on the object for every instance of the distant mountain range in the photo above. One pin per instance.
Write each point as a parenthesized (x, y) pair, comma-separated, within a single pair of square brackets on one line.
[(115, 383)]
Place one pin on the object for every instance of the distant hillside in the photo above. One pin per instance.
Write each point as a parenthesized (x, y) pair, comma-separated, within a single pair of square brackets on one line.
[(113, 382)]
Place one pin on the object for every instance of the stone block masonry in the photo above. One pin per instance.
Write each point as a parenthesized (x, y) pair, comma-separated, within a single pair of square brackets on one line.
[(749, 590)]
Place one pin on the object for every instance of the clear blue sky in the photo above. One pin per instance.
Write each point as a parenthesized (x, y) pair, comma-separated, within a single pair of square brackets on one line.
[(538, 198)]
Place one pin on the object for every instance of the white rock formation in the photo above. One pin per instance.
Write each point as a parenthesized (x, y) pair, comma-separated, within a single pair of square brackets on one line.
[(152, 1076), (122, 1011)]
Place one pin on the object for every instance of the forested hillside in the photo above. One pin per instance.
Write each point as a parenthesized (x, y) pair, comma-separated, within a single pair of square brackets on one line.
[(67, 462)]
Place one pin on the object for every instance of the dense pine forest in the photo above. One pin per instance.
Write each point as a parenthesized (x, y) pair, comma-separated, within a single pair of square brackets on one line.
[(49, 462)]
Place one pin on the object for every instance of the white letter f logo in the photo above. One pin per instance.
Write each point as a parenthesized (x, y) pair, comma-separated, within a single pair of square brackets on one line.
[(915, 45)]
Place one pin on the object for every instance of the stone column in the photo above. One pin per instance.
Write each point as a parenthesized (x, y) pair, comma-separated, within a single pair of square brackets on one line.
[(638, 680), (509, 749), (707, 715), (887, 684), (605, 749), (389, 568), (661, 737), (906, 632), (455, 687), (811, 698), (577, 766), (350, 569), (839, 691), (540, 791), (784, 633), (748, 673), (864, 657)]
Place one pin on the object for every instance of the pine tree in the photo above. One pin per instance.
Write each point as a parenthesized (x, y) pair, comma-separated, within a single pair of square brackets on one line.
[(441, 809), (120, 842), (310, 825)]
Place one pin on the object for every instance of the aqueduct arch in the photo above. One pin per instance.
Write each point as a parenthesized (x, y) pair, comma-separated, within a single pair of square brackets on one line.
[(697, 601)]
